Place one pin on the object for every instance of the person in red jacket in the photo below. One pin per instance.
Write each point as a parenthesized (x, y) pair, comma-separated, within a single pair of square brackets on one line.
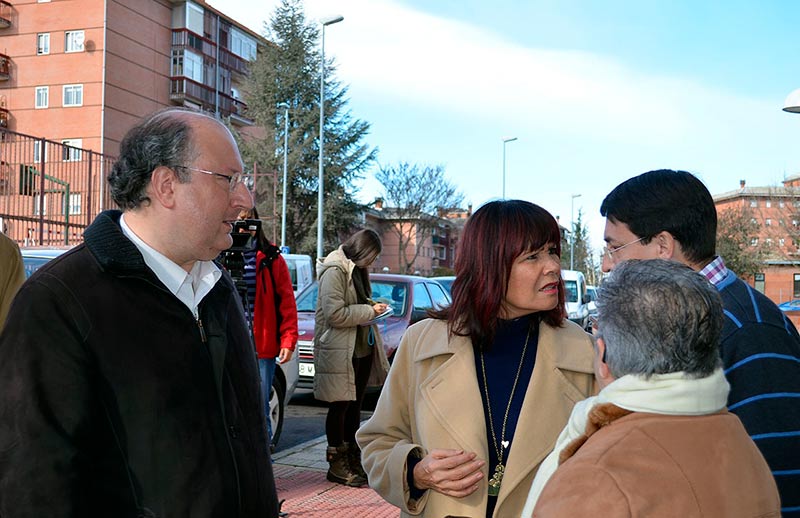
[(271, 308)]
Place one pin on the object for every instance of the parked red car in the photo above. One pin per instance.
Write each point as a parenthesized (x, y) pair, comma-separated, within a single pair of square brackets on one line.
[(410, 297)]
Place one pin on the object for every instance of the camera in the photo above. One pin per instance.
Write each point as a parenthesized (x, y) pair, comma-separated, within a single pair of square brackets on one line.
[(244, 234)]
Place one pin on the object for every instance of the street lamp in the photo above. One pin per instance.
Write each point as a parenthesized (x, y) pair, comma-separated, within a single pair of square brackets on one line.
[(285, 107), (325, 22), (506, 140), (572, 231), (792, 103)]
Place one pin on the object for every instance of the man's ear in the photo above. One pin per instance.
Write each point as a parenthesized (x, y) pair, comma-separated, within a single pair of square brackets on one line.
[(668, 246), (603, 372), (162, 186)]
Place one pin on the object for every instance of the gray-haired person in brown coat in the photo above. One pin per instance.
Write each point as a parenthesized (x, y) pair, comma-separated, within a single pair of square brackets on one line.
[(657, 441)]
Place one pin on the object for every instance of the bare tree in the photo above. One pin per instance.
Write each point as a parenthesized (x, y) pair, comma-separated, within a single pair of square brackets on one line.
[(414, 196), (738, 243)]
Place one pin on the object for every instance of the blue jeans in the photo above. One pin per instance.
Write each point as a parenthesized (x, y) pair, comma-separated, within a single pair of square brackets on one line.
[(266, 366)]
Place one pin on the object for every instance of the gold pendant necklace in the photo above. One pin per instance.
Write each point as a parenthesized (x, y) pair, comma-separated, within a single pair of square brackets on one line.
[(499, 470)]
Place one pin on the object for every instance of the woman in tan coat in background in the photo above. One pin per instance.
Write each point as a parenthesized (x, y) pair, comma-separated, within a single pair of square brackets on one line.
[(348, 355)]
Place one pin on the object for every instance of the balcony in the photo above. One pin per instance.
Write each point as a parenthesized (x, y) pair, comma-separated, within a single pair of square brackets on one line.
[(5, 14), (183, 38), (183, 89), (5, 67), (3, 118)]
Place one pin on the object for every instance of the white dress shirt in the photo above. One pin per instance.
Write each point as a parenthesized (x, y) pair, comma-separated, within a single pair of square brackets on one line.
[(190, 288)]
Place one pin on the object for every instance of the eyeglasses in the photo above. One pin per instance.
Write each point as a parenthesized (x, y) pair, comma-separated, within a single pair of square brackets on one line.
[(609, 252), (234, 179)]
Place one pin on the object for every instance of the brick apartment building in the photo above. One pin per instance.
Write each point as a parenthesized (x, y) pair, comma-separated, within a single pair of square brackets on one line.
[(437, 247), (75, 75), (777, 212)]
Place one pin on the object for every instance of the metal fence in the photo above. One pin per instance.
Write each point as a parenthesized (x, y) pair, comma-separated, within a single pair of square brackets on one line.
[(49, 191)]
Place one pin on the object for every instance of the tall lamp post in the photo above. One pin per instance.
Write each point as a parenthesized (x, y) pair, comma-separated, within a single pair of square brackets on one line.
[(285, 107), (325, 22), (792, 103), (506, 140), (572, 231)]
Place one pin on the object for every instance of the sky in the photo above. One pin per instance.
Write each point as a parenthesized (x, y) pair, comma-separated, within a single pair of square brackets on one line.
[(594, 91)]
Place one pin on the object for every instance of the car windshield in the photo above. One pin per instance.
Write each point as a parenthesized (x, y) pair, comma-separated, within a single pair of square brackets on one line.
[(33, 263), (393, 293), (307, 299), (572, 290)]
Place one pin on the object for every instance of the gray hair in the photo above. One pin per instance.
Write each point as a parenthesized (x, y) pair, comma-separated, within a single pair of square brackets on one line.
[(163, 139), (658, 317)]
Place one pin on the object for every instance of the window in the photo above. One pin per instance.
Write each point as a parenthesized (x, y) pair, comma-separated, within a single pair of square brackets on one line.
[(768, 241), (36, 200), (754, 203), (782, 242), (768, 203), (42, 96), (781, 204), (422, 301), (193, 66), (194, 18), (73, 41), (43, 43), (73, 95), (242, 45), (438, 295), (796, 286), (74, 204), (71, 151), (754, 241), (768, 222), (37, 151), (759, 282)]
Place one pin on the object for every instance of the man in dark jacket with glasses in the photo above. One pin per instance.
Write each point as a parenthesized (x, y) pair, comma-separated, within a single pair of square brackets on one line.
[(128, 382)]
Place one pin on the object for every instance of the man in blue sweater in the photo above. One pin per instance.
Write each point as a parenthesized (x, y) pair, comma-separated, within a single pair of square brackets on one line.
[(671, 215)]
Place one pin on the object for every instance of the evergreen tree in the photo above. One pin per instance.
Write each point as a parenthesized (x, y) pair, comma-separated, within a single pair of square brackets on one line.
[(582, 252), (287, 71)]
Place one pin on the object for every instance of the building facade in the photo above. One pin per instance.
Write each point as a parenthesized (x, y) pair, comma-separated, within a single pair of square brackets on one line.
[(426, 242), (75, 75), (776, 211)]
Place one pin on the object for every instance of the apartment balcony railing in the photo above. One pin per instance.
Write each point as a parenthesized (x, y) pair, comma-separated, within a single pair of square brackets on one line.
[(183, 88), (184, 38), (5, 67), (5, 14)]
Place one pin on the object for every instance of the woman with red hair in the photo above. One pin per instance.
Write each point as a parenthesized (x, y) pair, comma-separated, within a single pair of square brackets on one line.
[(478, 394)]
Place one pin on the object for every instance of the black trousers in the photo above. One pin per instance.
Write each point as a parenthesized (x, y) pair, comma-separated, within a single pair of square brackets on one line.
[(344, 417)]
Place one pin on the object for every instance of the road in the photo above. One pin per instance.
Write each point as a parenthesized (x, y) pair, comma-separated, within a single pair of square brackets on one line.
[(305, 418)]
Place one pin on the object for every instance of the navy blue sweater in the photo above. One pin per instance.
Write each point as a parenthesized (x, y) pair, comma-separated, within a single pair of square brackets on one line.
[(761, 354)]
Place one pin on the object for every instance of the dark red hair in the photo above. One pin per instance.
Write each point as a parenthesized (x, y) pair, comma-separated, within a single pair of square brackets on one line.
[(493, 238)]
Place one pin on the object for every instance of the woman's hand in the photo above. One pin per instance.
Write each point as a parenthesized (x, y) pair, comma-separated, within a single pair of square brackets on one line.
[(379, 308), (450, 472)]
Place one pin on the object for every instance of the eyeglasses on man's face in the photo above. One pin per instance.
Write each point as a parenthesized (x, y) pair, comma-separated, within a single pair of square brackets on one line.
[(234, 179), (610, 251)]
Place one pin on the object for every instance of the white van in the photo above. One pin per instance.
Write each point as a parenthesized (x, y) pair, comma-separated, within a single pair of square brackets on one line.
[(576, 298), (300, 269)]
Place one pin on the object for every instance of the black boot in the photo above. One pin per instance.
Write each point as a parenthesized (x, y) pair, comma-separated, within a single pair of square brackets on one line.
[(354, 458), (339, 470)]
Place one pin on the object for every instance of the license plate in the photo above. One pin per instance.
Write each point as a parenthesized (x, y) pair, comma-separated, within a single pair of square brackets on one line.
[(307, 369)]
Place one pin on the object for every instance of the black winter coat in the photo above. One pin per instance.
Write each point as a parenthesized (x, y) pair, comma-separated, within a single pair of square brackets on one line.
[(113, 404)]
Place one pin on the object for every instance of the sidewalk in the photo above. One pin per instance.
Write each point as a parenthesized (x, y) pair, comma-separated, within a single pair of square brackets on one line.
[(300, 479)]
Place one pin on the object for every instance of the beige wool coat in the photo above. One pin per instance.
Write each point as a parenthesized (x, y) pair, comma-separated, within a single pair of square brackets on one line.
[(432, 400), (337, 317)]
